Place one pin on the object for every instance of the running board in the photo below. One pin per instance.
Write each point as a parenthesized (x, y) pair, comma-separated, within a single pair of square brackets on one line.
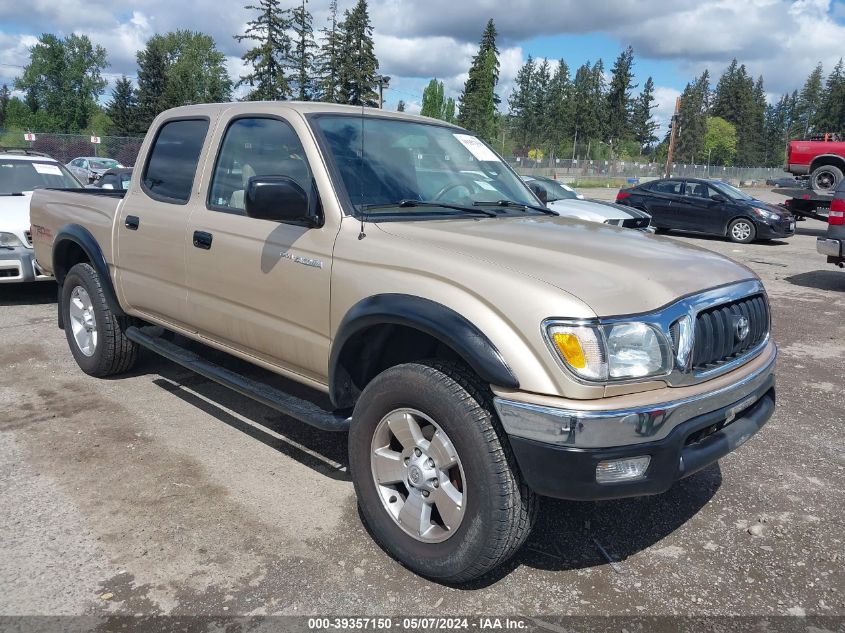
[(297, 408)]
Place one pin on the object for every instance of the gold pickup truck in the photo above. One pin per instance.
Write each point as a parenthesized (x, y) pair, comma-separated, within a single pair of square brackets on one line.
[(479, 350)]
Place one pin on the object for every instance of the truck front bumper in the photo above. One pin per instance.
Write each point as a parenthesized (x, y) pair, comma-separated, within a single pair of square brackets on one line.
[(558, 457), (17, 265)]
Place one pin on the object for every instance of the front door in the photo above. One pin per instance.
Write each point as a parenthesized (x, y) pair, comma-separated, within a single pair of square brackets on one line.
[(258, 285), (151, 228)]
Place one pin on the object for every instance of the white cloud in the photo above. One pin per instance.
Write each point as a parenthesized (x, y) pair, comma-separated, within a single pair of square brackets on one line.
[(664, 100)]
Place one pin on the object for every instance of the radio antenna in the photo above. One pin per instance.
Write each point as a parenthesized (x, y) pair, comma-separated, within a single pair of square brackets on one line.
[(362, 235)]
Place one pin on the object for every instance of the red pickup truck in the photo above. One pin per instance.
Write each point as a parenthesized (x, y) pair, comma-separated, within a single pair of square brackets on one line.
[(822, 160)]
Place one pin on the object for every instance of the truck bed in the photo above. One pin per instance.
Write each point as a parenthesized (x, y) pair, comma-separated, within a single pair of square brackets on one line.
[(51, 209)]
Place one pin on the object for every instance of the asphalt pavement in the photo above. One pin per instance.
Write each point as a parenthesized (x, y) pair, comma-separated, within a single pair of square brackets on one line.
[(163, 493)]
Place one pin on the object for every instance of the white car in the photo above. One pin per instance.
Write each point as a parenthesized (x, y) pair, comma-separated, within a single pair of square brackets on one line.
[(567, 202), (21, 172), (90, 168)]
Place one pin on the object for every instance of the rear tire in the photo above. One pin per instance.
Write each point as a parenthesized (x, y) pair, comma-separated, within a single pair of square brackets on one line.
[(94, 333), (742, 231), (443, 405), (825, 178)]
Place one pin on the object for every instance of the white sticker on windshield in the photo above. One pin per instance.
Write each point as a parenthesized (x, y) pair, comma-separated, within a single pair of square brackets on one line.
[(43, 168), (476, 147)]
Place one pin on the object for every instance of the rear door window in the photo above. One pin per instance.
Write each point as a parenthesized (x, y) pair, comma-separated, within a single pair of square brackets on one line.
[(172, 163)]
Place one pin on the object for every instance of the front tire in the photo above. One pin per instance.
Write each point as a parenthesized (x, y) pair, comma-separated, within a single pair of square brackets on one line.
[(742, 231), (435, 478), (94, 333)]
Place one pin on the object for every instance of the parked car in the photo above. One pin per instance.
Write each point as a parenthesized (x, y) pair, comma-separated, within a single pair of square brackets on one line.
[(90, 168), (783, 182), (117, 179), (22, 172), (468, 339), (822, 159), (708, 206), (833, 243), (567, 203)]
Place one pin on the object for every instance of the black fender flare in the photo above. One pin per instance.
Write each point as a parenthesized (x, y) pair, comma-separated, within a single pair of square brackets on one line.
[(434, 319), (81, 237)]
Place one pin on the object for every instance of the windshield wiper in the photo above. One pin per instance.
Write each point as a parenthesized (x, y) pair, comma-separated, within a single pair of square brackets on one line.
[(404, 204), (514, 204)]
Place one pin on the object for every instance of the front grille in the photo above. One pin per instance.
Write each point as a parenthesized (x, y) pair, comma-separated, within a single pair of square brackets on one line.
[(717, 340), (28, 236)]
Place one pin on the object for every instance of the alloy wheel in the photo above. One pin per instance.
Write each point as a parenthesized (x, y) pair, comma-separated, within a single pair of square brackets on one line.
[(83, 322), (418, 475), (741, 231)]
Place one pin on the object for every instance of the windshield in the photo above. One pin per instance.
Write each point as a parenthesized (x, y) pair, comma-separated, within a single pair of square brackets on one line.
[(104, 164), (732, 192), (555, 190), (408, 161), (17, 176)]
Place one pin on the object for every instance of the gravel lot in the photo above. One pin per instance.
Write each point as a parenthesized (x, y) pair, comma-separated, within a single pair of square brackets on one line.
[(162, 493)]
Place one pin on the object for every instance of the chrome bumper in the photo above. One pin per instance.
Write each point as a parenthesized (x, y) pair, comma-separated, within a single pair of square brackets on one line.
[(624, 427), (829, 247)]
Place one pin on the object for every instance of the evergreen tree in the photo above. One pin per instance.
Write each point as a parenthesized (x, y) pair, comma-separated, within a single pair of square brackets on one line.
[(831, 113), (302, 53), (619, 103), (152, 79), (643, 125), (692, 119), (358, 63), (433, 102), (735, 101), (5, 95), (64, 78), (520, 106), (269, 30), (559, 111), (449, 110), (477, 103), (810, 99), (540, 105), (123, 108), (756, 141), (589, 104), (400, 107), (328, 59)]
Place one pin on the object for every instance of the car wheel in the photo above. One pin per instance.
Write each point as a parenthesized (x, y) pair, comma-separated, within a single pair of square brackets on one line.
[(436, 481), (94, 333), (825, 178), (742, 230)]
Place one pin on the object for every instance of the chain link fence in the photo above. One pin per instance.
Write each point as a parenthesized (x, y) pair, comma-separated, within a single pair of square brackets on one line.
[(619, 172), (65, 147)]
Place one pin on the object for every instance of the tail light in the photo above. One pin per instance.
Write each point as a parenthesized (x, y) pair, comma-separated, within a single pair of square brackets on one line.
[(837, 212), (622, 195)]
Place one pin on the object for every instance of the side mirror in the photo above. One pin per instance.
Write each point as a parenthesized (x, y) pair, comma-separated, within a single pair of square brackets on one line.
[(539, 191), (278, 198), (717, 197)]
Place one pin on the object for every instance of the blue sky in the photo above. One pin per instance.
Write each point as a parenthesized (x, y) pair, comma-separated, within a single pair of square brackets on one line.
[(673, 40)]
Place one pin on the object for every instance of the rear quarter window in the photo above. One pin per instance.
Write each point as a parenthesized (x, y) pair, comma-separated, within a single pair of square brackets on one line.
[(172, 163)]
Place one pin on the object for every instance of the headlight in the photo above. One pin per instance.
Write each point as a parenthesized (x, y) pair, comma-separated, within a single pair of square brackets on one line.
[(767, 215), (616, 351), (9, 240)]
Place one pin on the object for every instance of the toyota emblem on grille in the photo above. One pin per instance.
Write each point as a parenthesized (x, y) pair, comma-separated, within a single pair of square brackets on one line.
[(741, 327)]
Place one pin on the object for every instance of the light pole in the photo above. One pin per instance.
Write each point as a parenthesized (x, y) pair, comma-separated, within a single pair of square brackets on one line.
[(383, 82)]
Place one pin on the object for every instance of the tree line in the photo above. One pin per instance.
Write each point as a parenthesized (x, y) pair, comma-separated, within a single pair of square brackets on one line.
[(551, 112), (733, 124)]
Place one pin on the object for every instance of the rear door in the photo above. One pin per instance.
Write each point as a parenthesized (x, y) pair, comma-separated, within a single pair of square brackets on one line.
[(661, 196), (693, 210), (152, 223)]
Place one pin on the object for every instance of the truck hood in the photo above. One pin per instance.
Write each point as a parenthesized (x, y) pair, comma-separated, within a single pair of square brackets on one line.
[(14, 214), (614, 271)]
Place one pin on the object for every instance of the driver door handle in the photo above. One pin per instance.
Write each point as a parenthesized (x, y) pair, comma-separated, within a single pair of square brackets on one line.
[(203, 240)]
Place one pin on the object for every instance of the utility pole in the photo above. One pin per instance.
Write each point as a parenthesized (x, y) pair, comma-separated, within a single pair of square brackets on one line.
[(383, 82), (674, 133)]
